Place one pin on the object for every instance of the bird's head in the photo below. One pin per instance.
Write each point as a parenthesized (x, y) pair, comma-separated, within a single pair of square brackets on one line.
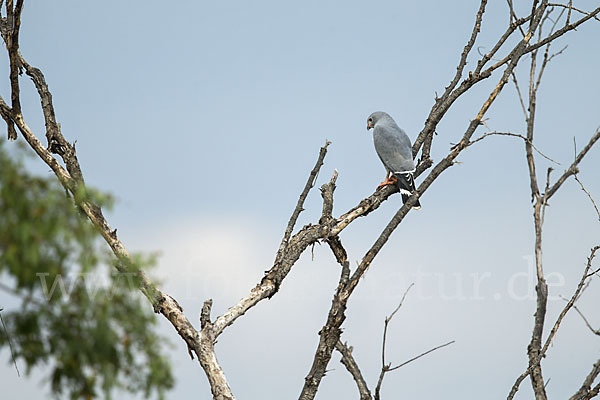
[(375, 117)]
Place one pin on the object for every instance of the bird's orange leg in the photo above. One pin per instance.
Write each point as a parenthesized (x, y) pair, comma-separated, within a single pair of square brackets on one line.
[(388, 180)]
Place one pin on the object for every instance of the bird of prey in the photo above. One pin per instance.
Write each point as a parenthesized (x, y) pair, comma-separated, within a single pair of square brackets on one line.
[(395, 151)]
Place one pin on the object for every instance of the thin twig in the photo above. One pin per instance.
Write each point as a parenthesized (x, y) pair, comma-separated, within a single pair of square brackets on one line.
[(385, 368), (565, 310), (513, 16), (572, 170), (563, 30), (12, 352), (421, 355), (387, 321), (517, 135), (571, 8), (514, 76), (426, 136), (588, 195), (570, 11), (585, 391), (548, 58), (546, 188), (352, 367), (594, 331), (299, 206), (445, 102)]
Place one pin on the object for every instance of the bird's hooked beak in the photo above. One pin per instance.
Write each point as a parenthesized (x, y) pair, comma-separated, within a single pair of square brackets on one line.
[(369, 125)]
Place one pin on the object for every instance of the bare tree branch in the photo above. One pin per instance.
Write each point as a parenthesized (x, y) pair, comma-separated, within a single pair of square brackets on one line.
[(514, 76), (570, 304), (205, 313), (427, 140), (571, 8), (12, 352), (562, 31), (12, 45), (72, 180), (56, 142), (547, 58), (352, 367), (328, 228), (589, 196), (587, 323), (299, 207), (513, 16), (407, 362), (585, 392), (495, 133), (329, 335), (443, 103), (573, 168), (421, 355), (572, 301), (331, 331), (327, 194), (384, 366), (533, 350), (386, 323)]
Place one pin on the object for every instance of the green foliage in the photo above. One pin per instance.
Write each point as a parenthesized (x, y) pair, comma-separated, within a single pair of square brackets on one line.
[(92, 337)]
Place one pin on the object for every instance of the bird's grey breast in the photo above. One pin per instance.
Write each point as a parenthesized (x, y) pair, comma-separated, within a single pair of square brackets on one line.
[(393, 147)]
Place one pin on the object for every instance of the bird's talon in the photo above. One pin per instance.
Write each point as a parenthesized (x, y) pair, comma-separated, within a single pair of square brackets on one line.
[(388, 181)]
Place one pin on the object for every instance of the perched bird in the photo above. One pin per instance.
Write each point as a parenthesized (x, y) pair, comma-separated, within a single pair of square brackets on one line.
[(395, 151)]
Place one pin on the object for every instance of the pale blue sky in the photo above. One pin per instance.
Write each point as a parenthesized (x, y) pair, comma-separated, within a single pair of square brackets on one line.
[(204, 119)]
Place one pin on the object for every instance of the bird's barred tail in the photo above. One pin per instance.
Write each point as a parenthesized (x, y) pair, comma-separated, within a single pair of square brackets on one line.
[(406, 184)]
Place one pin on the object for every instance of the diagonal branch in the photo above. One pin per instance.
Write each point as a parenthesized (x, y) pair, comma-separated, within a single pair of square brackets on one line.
[(571, 8), (12, 352), (385, 367), (587, 323), (352, 367), (513, 16), (573, 168), (585, 391), (72, 180), (495, 133), (421, 355), (387, 322), (329, 335), (570, 304), (57, 144), (443, 103), (296, 245), (426, 140), (299, 206), (562, 31), (589, 196), (291, 246), (331, 331), (299, 242)]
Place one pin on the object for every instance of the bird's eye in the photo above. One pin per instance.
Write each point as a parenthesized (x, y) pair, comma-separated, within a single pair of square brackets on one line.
[(371, 120)]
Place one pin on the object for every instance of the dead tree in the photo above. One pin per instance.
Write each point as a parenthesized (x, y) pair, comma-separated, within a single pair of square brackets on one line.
[(523, 36)]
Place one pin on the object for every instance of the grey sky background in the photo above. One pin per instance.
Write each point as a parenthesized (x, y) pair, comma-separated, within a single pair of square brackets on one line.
[(204, 119)]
